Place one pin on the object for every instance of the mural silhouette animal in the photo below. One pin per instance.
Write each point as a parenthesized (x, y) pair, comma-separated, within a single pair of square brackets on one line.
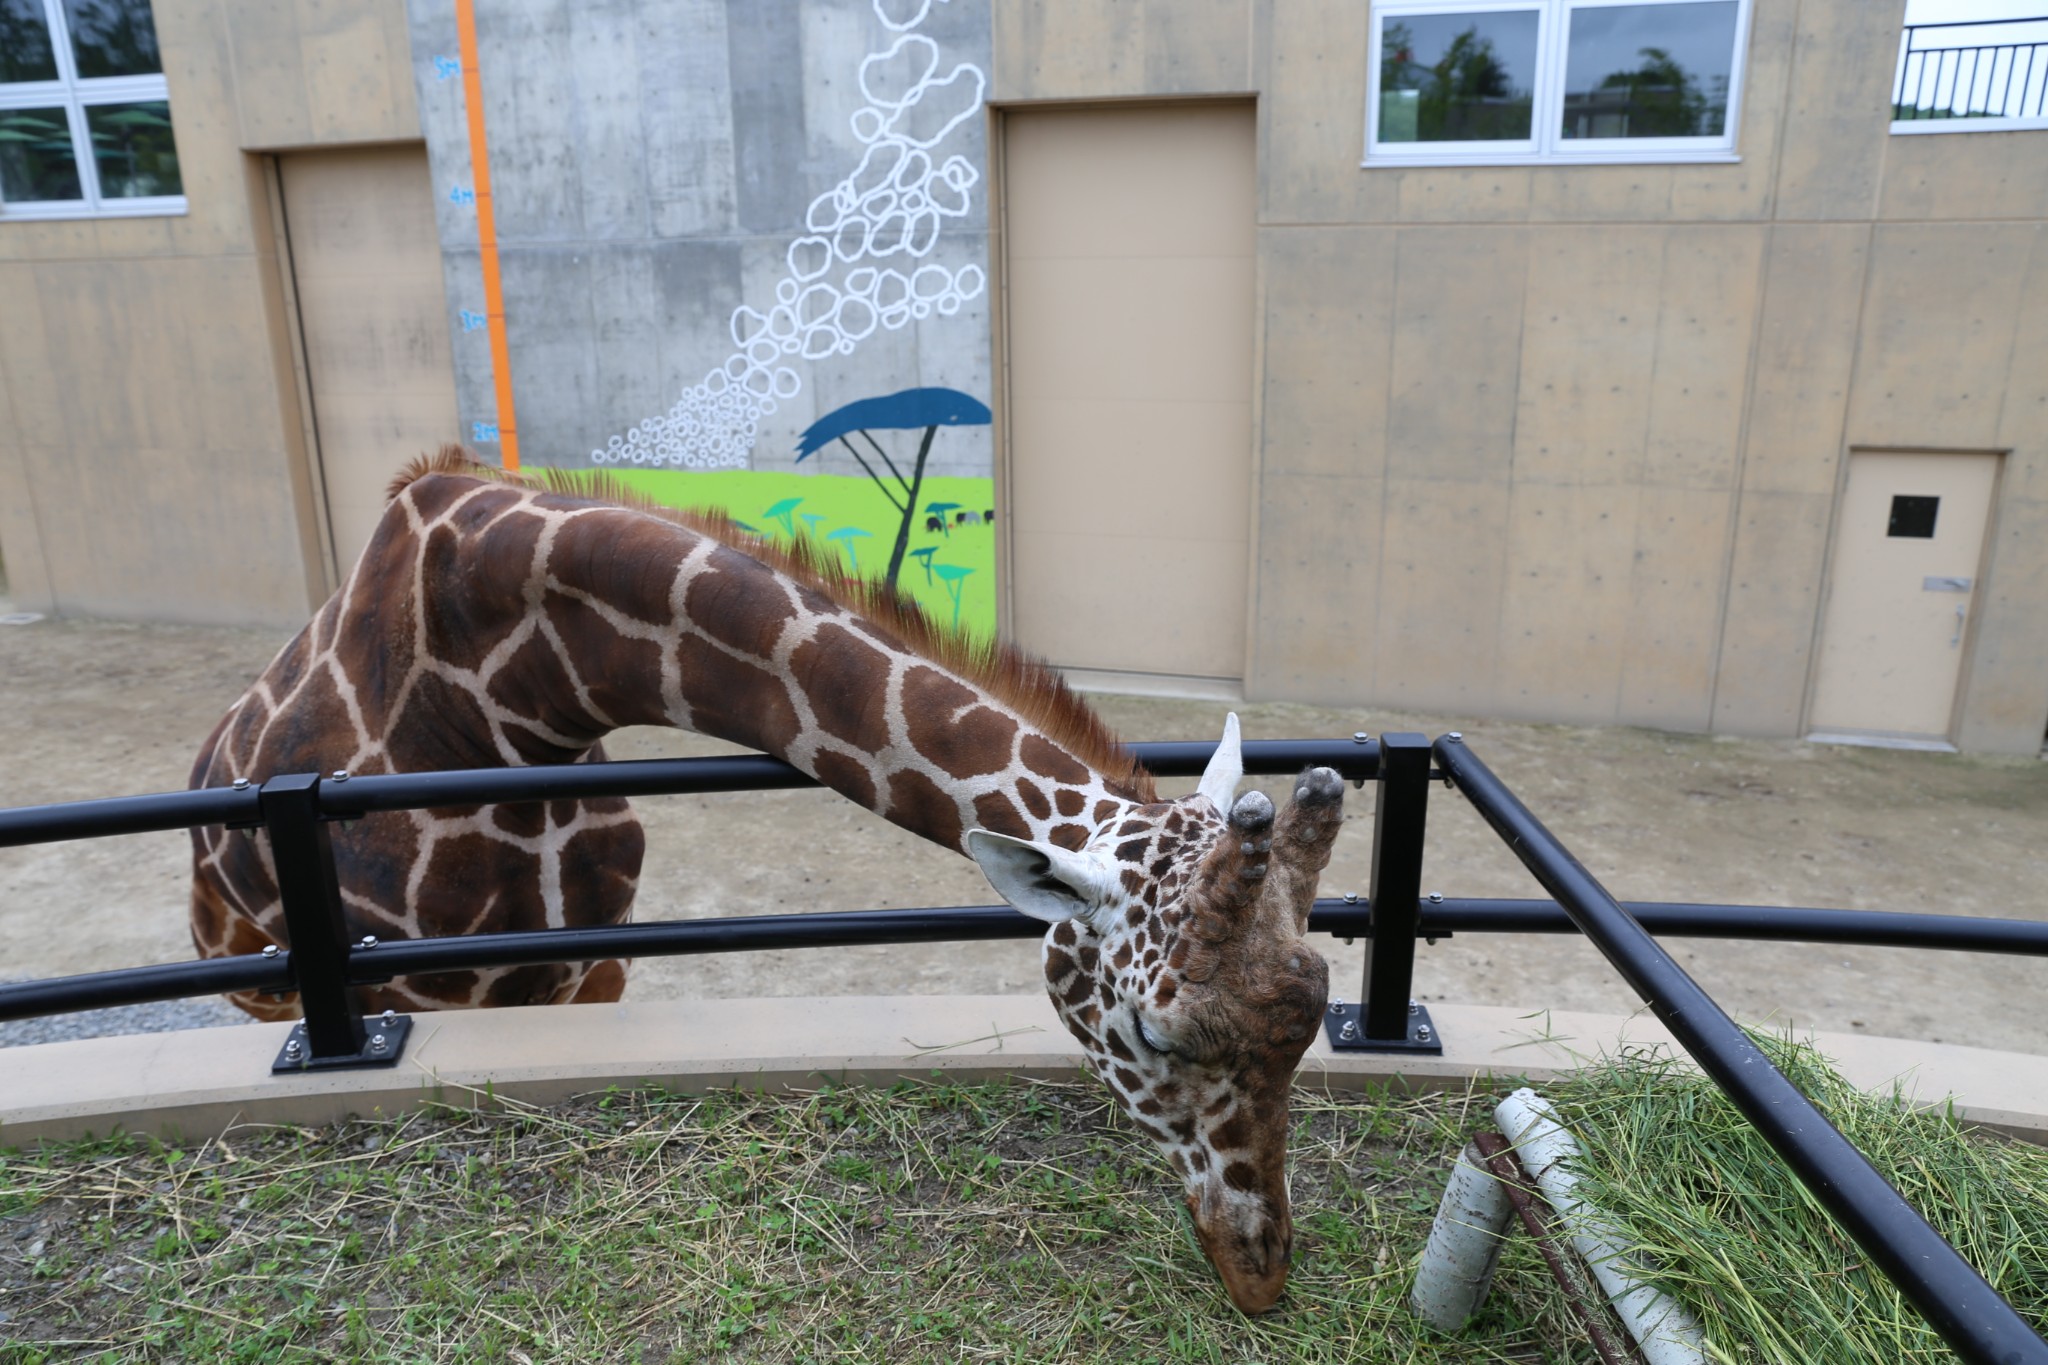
[(496, 620)]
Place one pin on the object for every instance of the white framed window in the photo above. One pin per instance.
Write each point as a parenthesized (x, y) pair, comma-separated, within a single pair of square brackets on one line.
[(1507, 82), (1972, 66), (85, 115)]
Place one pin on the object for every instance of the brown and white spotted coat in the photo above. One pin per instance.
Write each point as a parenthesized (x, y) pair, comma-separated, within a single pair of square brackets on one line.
[(504, 621)]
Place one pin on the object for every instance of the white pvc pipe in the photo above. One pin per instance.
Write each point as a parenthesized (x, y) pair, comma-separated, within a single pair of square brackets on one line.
[(1667, 1334), (1464, 1243)]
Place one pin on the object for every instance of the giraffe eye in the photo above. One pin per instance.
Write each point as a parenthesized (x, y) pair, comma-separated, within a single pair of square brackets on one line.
[(1151, 1038)]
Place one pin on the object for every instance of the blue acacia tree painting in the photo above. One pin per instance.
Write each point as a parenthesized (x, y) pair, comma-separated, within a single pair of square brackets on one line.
[(905, 411)]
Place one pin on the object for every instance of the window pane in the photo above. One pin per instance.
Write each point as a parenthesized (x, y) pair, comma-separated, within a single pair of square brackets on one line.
[(132, 143), (1649, 70), (25, 53), (1457, 77), (35, 156), (113, 37)]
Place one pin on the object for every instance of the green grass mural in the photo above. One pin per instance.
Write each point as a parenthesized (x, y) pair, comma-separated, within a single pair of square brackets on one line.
[(951, 573)]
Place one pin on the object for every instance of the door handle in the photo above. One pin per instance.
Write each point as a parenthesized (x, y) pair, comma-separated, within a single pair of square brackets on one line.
[(1959, 629)]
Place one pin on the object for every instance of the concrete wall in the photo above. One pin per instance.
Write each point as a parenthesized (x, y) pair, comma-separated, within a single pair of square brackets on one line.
[(152, 458), (1565, 442), (654, 165)]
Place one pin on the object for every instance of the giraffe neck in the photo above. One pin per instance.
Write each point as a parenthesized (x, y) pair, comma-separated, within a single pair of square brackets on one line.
[(612, 616)]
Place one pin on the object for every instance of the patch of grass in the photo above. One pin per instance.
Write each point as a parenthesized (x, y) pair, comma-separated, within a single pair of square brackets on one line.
[(1723, 1226), (932, 1221), (1022, 1221)]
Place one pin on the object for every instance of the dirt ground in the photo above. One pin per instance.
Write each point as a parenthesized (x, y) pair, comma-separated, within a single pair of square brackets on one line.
[(94, 709)]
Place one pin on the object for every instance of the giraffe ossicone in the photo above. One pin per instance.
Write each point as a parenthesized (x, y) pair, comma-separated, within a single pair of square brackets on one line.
[(501, 620)]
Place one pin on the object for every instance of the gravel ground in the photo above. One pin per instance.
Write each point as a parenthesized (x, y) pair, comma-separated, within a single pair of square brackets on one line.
[(95, 709), (164, 1016)]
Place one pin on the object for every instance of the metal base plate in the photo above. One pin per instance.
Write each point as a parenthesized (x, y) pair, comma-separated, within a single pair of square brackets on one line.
[(1422, 1038), (293, 1056)]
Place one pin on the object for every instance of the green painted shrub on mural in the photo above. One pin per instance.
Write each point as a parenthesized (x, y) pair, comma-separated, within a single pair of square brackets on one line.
[(950, 573)]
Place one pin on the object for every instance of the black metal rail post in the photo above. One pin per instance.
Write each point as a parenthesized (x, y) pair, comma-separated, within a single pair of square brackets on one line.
[(1950, 1294), (1386, 1019), (302, 854)]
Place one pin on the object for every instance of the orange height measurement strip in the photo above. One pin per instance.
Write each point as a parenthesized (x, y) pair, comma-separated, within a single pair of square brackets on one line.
[(487, 231)]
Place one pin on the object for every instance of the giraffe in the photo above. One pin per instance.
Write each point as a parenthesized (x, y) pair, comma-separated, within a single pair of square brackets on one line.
[(502, 620)]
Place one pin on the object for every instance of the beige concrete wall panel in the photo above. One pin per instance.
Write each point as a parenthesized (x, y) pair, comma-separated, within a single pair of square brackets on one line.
[(1604, 194), (270, 73), (115, 331), (1198, 47), (1451, 194), (230, 346), (359, 87), (136, 238), (25, 358), (1805, 356), (1838, 116), (1443, 560), (2005, 688), (1773, 602), (1329, 338), (1588, 354), (65, 239), (1742, 192), (1966, 176), (21, 534), (1943, 311), (1565, 601), (1313, 625), (1674, 608), (1312, 115), (2023, 413), (198, 69), (1458, 295), (1706, 323), (1067, 50), (171, 535)]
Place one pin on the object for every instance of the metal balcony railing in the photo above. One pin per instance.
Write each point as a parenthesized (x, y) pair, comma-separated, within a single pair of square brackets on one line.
[(1974, 69)]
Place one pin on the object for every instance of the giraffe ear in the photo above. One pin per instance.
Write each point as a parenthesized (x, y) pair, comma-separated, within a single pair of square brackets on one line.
[(1226, 769), (1045, 881)]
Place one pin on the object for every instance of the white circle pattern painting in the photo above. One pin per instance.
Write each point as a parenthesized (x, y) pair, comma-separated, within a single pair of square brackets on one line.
[(863, 266)]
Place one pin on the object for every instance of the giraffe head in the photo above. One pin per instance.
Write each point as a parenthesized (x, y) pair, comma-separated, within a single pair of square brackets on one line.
[(1176, 957)]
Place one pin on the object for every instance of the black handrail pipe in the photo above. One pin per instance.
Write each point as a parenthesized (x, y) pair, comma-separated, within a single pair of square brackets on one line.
[(1356, 760), (1956, 1301), (978, 923)]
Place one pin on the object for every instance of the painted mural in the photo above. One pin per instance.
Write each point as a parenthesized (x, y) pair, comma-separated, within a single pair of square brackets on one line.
[(731, 254)]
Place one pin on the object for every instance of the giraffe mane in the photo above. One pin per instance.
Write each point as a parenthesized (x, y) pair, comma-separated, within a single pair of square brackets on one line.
[(1022, 681)]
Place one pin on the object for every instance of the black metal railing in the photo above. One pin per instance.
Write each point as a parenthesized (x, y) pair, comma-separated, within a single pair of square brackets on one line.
[(324, 966), (1950, 75)]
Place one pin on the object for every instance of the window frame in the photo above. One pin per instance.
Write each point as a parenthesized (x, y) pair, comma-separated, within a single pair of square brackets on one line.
[(1546, 146), (76, 94)]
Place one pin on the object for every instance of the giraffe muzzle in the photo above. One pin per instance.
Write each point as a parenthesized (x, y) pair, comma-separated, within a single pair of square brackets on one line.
[(1250, 1246)]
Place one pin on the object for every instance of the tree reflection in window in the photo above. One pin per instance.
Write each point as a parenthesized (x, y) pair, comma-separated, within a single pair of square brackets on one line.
[(25, 53), (1440, 83), (113, 37), (132, 144)]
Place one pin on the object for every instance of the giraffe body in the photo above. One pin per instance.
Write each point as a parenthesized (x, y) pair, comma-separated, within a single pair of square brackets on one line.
[(497, 621)]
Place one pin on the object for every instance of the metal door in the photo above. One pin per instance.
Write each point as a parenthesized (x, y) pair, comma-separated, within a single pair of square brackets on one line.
[(1909, 540), (1128, 249), (366, 266)]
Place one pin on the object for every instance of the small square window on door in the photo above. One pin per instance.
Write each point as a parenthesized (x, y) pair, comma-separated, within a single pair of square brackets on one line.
[(1912, 517)]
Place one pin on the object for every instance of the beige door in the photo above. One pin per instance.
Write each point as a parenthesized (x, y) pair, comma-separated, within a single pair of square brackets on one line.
[(1908, 543), (366, 265), (1128, 246)]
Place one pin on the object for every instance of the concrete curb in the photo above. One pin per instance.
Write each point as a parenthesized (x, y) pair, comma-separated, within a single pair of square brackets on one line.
[(198, 1083)]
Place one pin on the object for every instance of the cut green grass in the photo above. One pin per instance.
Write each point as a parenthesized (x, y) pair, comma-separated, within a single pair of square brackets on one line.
[(932, 1221)]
